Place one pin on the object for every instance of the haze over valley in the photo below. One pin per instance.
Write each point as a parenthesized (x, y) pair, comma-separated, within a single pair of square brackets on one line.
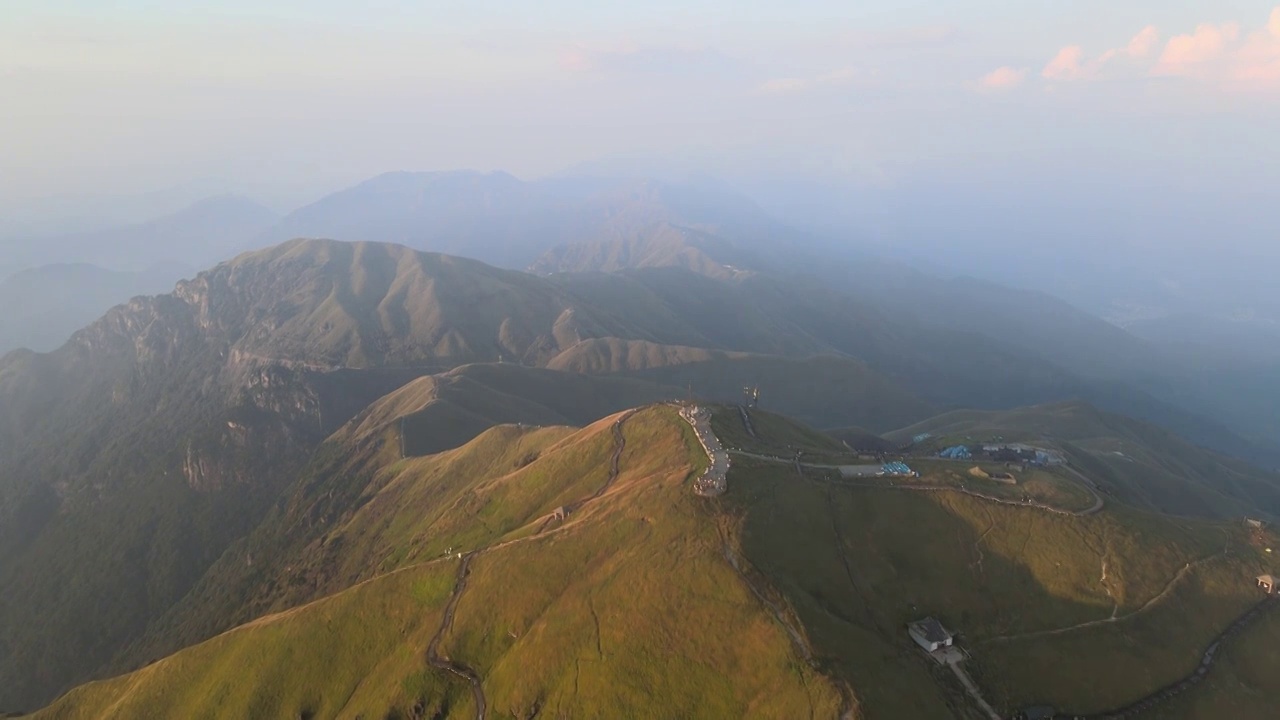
[(416, 361)]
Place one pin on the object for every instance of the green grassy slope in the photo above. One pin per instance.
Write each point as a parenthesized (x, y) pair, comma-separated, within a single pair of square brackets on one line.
[(858, 564), (1242, 684), (626, 608), (352, 655), (776, 435), (1136, 462)]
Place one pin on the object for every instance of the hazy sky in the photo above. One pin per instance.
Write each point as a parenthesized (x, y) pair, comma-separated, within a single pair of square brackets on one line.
[(291, 98)]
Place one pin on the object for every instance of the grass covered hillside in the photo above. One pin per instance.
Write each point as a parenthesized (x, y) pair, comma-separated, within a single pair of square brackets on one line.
[(157, 442), (1086, 613), (1135, 462), (627, 606), (560, 572)]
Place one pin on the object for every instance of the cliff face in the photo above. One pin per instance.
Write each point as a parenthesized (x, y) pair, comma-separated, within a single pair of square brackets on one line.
[(132, 456)]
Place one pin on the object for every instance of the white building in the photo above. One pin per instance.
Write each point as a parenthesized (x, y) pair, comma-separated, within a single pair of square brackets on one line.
[(929, 634)]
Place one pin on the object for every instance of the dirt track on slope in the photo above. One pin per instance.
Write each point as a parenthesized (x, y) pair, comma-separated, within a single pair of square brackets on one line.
[(459, 669), (433, 650)]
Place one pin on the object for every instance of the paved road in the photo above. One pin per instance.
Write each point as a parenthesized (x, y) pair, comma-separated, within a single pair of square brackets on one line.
[(714, 481), (972, 688)]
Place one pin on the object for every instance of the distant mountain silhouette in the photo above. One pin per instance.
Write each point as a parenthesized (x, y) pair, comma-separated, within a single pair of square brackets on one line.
[(45, 305), (504, 221), (199, 235)]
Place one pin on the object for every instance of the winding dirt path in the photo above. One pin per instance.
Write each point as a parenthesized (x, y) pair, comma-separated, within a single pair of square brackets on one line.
[(619, 445), (1207, 661), (1164, 593), (433, 649), (459, 669)]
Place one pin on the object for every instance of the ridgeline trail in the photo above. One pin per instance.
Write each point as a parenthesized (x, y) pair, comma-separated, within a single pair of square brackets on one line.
[(459, 669), (794, 629), (1207, 660), (746, 422), (433, 649)]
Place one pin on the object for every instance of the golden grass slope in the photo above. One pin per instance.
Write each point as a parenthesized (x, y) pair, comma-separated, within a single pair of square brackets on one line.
[(627, 608)]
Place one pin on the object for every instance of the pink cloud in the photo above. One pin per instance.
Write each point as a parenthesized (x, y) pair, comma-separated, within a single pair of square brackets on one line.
[(1144, 42), (1220, 54), (1140, 46), (1003, 78), (1188, 54), (1068, 64), (1224, 56), (1257, 62)]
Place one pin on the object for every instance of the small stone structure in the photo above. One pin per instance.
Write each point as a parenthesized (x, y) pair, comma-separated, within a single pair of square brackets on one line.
[(1268, 584)]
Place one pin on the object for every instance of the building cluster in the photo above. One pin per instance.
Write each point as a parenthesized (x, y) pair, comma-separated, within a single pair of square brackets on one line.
[(713, 481), (1019, 453)]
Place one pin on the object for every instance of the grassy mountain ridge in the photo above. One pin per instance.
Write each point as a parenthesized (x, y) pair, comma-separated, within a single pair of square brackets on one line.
[(663, 246), (631, 604), (212, 397), (591, 616), (158, 439), (173, 422)]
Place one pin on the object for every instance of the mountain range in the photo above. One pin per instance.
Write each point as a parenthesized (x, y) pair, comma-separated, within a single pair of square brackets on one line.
[(577, 224), (348, 433)]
